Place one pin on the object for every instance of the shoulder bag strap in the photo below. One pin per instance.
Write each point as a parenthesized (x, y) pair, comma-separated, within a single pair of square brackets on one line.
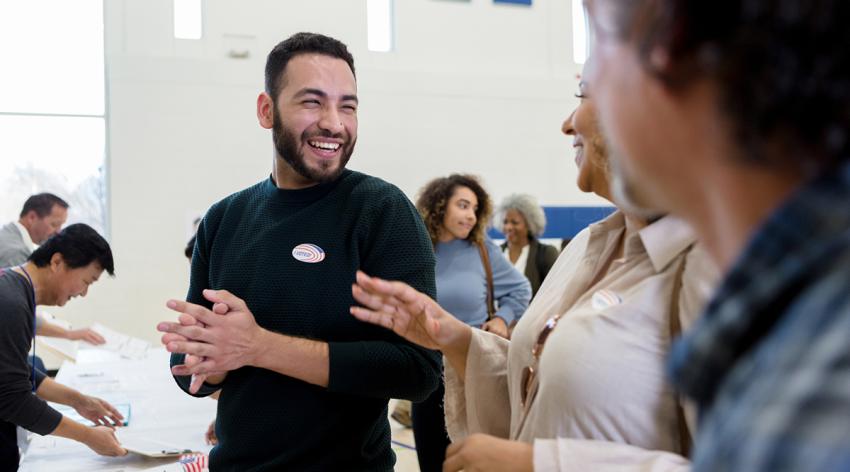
[(485, 261)]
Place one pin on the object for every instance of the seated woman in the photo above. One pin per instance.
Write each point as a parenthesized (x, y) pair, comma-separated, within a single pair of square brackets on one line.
[(60, 269), (581, 385), (522, 221), (455, 210)]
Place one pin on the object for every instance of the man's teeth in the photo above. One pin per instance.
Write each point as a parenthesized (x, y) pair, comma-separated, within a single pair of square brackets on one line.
[(323, 145)]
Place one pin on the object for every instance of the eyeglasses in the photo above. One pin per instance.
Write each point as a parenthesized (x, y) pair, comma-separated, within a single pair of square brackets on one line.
[(529, 373)]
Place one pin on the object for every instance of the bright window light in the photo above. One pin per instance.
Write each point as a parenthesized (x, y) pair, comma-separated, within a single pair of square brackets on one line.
[(188, 22), (580, 38), (53, 127), (35, 47), (379, 23)]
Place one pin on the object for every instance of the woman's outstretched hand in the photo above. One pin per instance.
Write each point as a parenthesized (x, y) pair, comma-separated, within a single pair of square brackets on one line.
[(409, 313), (401, 308)]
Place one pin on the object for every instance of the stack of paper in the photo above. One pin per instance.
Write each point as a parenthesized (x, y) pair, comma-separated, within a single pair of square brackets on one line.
[(127, 347)]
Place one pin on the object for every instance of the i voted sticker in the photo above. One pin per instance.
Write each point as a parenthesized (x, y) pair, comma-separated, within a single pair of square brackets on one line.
[(603, 299), (309, 253)]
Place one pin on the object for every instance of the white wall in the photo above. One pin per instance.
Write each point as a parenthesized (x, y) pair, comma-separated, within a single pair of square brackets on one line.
[(472, 87)]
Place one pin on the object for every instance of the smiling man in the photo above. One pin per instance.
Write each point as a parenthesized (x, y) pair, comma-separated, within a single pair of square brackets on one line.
[(304, 386)]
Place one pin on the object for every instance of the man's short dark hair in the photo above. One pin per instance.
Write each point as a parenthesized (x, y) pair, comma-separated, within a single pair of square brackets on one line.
[(301, 43), (80, 245), (781, 68), (42, 204)]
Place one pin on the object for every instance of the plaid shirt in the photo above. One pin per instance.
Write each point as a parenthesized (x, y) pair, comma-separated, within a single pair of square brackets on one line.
[(769, 362)]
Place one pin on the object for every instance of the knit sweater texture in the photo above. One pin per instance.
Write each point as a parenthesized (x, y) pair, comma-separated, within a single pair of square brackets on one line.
[(255, 244)]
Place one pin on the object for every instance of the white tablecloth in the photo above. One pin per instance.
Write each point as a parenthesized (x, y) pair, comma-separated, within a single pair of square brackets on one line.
[(159, 411)]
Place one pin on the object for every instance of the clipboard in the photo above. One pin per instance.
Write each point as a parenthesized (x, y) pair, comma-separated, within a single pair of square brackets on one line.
[(152, 448), (154, 454)]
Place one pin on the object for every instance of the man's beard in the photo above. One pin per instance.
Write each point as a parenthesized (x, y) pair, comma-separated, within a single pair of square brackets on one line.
[(287, 146)]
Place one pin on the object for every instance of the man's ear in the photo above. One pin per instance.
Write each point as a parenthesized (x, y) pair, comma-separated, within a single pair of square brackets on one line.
[(56, 261), (30, 217), (265, 110)]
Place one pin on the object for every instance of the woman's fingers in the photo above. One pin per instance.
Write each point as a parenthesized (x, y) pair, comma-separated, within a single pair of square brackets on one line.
[(373, 317), (367, 299), (410, 303), (399, 290)]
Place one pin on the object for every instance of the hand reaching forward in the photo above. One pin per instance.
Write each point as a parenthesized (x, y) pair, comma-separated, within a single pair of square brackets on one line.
[(98, 411), (86, 334), (102, 440), (407, 312)]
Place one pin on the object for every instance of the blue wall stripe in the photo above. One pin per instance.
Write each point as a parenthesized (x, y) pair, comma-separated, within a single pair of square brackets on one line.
[(566, 221)]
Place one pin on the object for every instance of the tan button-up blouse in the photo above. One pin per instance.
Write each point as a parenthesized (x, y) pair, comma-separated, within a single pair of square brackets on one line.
[(603, 399)]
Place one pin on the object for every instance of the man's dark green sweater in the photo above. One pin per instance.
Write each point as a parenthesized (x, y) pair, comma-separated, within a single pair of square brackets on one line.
[(247, 244)]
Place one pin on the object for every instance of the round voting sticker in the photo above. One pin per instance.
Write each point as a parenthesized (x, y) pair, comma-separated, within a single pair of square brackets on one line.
[(309, 253)]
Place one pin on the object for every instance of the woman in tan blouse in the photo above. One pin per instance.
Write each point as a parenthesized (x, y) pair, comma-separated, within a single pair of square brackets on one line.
[(582, 384)]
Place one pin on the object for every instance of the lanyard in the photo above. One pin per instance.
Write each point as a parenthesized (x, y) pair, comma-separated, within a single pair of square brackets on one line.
[(34, 320)]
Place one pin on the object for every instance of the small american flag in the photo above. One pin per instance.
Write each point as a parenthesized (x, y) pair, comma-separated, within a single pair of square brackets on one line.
[(195, 462)]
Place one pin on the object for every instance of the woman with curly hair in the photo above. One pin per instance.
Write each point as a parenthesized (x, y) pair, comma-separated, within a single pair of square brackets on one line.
[(523, 221), (456, 210)]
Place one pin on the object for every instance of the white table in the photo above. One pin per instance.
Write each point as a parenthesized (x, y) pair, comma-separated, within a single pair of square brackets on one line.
[(159, 410)]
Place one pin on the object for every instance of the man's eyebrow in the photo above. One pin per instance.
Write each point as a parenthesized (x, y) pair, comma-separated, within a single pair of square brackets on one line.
[(321, 93), (310, 91)]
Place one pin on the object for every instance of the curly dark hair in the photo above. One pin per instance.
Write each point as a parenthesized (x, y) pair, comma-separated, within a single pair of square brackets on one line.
[(781, 67), (434, 199)]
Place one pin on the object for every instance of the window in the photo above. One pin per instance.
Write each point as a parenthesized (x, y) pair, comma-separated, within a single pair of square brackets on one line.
[(188, 19), (581, 42), (379, 24), (52, 102)]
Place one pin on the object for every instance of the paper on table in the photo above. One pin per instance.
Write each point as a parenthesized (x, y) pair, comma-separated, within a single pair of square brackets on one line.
[(127, 346), (160, 410)]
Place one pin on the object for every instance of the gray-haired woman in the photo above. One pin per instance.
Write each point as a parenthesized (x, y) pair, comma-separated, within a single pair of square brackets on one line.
[(523, 221)]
